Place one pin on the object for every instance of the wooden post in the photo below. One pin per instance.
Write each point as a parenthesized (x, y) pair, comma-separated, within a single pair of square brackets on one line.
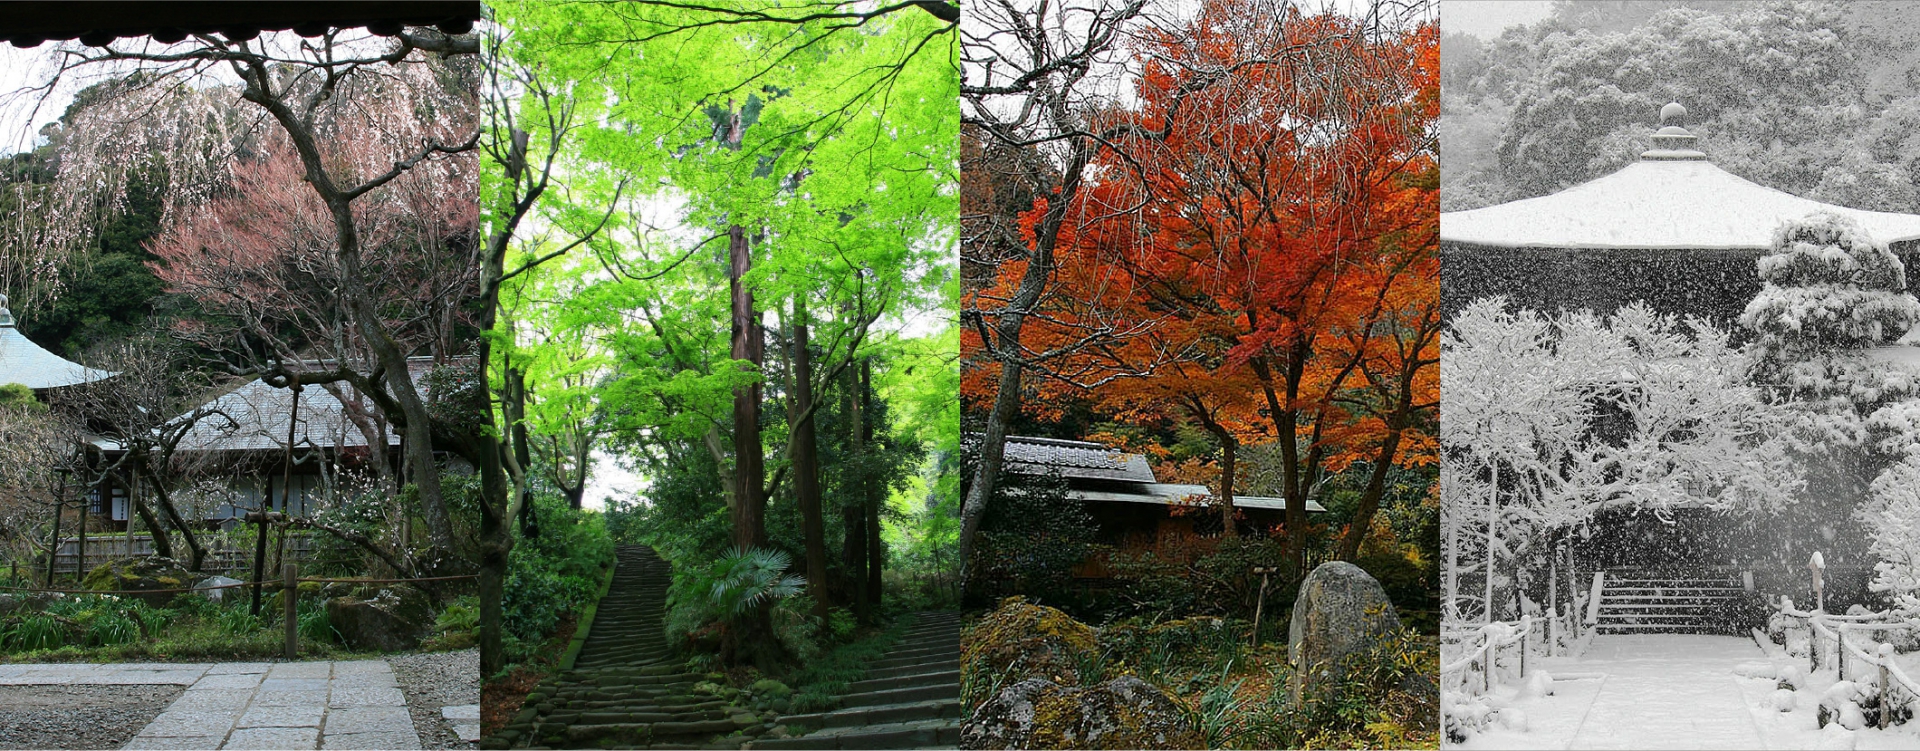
[(1840, 651), (80, 569), (260, 547), (289, 596), (53, 553), (1816, 564), (1526, 630), (1886, 685), (1261, 603)]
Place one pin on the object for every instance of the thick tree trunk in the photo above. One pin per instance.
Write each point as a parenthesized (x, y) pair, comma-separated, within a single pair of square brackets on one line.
[(854, 515), (806, 462), (418, 430), (749, 457), (161, 545), (197, 555), (1376, 488), (1005, 347), (875, 492)]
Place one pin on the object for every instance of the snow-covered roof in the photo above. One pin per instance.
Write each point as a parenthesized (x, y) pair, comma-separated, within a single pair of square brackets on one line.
[(30, 365), (1673, 198)]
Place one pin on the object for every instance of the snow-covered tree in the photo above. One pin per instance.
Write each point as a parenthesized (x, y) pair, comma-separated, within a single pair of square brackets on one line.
[(1528, 455)]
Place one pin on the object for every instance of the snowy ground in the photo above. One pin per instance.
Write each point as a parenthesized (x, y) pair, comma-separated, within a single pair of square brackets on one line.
[(1671, 691)]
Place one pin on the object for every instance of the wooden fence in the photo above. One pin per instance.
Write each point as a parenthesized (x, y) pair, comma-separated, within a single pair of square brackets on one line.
[(220, 556), (1471, 656), (1836, 642)]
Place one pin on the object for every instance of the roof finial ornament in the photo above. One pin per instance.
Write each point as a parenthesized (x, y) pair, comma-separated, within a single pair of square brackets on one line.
[(1673, 114), (6, 316), (1673, 143)]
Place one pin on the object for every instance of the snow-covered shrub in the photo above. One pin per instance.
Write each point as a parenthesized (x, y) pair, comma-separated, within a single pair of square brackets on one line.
[(1829, 293), (1892, 516)]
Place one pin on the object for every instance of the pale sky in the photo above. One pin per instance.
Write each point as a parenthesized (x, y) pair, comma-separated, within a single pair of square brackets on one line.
[(1486, 19)]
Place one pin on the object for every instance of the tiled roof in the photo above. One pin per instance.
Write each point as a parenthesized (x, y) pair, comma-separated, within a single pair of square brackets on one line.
[(26, 363), (1169, 493), (261, 413), (1074, 459)]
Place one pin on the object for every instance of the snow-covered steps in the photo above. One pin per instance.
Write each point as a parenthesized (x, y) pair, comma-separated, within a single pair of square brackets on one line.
[(910, 698), (1675, 603)]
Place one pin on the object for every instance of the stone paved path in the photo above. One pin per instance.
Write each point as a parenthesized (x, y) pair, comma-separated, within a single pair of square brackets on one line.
[(255, 705)]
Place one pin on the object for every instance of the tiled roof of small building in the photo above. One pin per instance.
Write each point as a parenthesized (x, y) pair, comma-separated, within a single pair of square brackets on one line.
[(30, 365), (1074, 459), (261, 413)]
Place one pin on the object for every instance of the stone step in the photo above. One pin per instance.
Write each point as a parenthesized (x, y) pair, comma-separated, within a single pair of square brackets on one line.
[(921, 734), (918, 658), (650, 731), (901, 695), (914, 669), (929, 678), (908, 712)]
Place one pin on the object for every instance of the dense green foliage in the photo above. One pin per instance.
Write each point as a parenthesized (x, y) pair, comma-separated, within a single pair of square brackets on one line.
[(695, 163), (552, 575)]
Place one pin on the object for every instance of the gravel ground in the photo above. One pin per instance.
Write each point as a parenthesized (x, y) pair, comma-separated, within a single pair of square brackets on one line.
[(80, 717), (434, 680)]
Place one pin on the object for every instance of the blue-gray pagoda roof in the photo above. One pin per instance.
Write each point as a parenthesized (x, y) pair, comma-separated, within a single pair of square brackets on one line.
[(30, 365)]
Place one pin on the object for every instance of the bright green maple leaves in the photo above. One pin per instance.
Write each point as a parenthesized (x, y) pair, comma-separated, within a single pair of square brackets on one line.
[(845, 173)]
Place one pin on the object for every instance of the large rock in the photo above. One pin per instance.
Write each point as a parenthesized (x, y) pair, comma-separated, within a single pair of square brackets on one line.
[(1125, 712), (1021, 640), (1341, 610), (390, 620), (142, 575)]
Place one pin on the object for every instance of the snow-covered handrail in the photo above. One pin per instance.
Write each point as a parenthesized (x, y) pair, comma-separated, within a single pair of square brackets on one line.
[(1836, 627), (1492, 637)]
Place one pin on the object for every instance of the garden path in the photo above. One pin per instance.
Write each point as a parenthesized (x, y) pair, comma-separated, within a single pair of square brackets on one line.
[(254, 705), (1643, 691)]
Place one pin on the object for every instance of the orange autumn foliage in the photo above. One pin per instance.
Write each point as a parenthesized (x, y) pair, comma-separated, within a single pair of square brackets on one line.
[(1255, 253)]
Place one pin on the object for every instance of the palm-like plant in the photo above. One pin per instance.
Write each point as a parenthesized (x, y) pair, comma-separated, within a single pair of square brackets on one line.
[(741, 581)]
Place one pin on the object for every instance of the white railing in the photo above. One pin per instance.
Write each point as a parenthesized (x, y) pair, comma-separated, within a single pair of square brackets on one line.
[(1875, 666), (1482, 659)]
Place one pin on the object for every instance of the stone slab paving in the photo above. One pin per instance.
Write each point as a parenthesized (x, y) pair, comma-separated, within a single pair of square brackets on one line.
[(255, 705), (465, 720)]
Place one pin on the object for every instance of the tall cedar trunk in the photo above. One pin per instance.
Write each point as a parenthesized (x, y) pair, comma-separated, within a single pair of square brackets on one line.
[(854, 546), (806, 461), (749, 458), (875, 492), (751, 634), (1006, 347)]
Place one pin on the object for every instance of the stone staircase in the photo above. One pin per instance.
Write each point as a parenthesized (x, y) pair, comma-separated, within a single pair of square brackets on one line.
[(909, 699), (1635, 602), (626, 690)]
